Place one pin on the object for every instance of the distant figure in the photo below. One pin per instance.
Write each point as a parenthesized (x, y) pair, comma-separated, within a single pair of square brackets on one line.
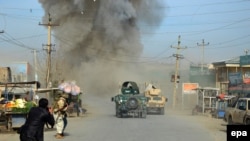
[(0, 92), (14, 98), (36, 98), (27, 96), (33, 128)]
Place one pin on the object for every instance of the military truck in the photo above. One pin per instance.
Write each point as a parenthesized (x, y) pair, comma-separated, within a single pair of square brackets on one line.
[(130, 102), (155, 100), (238, 113)]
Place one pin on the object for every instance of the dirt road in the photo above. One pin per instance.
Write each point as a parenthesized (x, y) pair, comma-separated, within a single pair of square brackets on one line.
[(216, 127), (100, 124)]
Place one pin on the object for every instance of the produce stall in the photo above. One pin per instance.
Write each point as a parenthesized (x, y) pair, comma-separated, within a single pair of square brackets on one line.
[(17, 98), (17, 113), (14, 120), (16, 101)]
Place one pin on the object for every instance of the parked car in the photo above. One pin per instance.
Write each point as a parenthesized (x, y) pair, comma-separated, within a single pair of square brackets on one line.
[(239, 113)]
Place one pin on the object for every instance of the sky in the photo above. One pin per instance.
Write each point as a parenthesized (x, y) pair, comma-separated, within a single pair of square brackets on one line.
[(222, 24)]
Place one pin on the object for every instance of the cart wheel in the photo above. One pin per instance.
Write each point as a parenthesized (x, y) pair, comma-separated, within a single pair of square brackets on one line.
[(144, 114), (162, 111), (248, 122), (230, 121), (118, 114)]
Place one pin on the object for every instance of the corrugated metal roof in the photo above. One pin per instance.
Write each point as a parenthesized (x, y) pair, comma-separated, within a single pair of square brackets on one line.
[(232, 61)]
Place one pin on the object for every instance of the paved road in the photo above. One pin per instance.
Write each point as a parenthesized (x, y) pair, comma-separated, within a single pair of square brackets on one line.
[(100, 124)]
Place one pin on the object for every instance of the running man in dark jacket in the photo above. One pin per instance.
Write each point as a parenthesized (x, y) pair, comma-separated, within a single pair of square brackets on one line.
[(33, 128)]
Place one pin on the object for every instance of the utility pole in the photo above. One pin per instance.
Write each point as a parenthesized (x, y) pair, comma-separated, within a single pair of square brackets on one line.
[(49, 50), (177, 56), (202, 45)]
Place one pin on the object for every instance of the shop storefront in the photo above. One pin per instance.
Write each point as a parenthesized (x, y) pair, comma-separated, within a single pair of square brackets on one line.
[(233, 76)]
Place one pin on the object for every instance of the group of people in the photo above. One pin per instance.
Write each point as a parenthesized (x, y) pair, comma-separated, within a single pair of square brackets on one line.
[(38, 117)]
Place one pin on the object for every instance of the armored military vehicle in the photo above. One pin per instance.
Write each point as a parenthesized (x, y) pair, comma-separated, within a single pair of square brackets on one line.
[(130, 102), (156, 102)]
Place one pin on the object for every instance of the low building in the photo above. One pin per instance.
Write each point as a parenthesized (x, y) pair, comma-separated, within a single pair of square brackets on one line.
[(21, 72), (233, 75), (5, 74), (16, 72), (203, 75)]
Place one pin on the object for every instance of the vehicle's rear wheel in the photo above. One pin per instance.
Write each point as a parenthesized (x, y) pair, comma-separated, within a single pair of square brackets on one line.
[(162, 111), (118, 112), (247, 121), (230, 120), (147, 110), (143, 114)]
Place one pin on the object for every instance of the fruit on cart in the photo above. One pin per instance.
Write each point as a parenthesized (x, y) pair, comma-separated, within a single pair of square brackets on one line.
[(20, 103), (25, 109), (10, 104)]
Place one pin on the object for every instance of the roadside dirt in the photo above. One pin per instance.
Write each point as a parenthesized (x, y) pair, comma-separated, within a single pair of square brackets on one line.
[(216, 127)]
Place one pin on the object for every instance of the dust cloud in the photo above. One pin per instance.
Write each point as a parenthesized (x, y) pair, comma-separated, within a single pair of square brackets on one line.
[(99, 42)]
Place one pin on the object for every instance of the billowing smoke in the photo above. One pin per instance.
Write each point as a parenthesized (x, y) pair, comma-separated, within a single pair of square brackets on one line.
[(100, 39)]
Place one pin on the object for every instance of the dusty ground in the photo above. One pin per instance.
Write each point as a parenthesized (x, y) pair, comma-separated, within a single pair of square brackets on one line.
[(217, 127)]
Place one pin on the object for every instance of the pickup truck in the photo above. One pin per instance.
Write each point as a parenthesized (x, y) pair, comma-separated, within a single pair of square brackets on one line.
[(239, 113)]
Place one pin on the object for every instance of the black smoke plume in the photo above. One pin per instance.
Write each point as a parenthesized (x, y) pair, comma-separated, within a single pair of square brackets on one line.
[(100, 40)]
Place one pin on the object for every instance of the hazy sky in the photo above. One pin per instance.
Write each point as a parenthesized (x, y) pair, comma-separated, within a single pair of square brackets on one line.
[(222, 23)]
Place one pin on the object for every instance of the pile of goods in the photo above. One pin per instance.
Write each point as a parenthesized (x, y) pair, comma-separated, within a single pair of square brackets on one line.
[(70, 87), (19, 105)]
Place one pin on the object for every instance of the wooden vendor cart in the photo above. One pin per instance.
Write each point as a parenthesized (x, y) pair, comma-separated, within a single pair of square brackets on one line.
[(16, 101), (14, 120)]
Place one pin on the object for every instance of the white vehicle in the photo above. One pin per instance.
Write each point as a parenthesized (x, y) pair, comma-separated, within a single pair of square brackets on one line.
[(239, 113)]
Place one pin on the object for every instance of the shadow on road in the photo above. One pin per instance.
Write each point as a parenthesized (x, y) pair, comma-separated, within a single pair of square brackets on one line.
[(223, 130)]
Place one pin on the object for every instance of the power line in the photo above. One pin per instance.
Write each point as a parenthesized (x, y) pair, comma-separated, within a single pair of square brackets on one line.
[(208, 4), (211, 13), (28, 37), (12, 40)]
